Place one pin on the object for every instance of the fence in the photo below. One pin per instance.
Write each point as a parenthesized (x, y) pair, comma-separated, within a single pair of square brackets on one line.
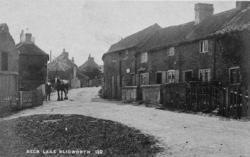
[(206, 97)]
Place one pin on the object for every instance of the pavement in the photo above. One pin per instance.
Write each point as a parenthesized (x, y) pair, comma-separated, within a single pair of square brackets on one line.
[(180, 134)]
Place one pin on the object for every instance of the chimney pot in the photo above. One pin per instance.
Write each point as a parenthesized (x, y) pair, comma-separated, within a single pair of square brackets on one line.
[(28, 37), (202, 11)]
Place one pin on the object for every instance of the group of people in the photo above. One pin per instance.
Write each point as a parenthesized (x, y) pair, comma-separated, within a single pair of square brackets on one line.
[(60, 85)]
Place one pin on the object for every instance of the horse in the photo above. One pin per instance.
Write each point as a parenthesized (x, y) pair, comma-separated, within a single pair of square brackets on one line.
[(62, 86)]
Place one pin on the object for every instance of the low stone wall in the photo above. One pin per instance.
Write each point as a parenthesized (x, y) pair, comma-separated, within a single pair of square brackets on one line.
[(28, 99), (151, 94), (129, 93), (174, 95)]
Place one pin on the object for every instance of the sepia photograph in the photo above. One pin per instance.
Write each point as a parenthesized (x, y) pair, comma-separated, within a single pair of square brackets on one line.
[(124, 78)]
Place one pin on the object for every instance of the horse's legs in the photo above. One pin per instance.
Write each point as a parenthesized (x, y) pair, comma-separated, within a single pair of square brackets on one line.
[(61, 95), (65, 93), (49, 96), (58, 95)]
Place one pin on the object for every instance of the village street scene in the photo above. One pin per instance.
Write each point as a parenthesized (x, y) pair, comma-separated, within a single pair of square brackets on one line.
[(124, 78)]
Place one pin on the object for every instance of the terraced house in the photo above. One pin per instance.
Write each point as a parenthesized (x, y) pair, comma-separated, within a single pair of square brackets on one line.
[(199, 65)]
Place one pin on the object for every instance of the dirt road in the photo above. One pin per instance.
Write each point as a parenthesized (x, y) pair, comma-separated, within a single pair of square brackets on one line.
[(182, 135)]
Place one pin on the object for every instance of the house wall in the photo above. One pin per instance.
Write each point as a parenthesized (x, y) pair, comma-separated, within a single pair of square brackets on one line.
[(186, 57), (245, 36), (8, 79), (111, 76), (192, 59), (7, 44), (160, 61), (32, 71), (127, 59)]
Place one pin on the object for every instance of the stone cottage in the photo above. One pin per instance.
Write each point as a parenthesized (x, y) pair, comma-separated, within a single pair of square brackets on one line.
[(32, 63)]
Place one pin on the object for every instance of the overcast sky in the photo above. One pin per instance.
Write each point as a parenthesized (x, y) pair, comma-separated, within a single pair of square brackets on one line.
[(83, 27)]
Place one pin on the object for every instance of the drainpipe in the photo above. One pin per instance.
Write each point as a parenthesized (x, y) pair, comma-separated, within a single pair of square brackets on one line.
[(214, 60), (120, 74)]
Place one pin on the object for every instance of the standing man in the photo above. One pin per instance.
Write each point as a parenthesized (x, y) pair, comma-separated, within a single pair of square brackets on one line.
[(48, 90)]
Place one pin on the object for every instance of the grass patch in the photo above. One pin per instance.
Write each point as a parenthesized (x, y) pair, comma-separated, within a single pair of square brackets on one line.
[(75, 132)]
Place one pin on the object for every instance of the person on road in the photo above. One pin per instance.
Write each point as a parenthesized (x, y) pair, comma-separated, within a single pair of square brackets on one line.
[(48, 90)]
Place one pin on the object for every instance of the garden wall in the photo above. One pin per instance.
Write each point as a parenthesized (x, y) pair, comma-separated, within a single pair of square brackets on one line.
[(151, 94), (129, 93)]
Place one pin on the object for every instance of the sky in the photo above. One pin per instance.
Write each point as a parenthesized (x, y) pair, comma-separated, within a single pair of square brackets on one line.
[(86, 27)]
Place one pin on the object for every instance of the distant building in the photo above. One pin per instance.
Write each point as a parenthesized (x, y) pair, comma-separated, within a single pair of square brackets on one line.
[(32, 63), (92, 70), (8, 64), (64, 68)]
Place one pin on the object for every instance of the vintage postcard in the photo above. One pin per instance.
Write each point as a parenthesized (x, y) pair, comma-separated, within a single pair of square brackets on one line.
[(120, 78)]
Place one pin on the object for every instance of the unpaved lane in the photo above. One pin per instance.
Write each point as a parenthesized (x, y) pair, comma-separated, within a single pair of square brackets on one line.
[(182, 135)]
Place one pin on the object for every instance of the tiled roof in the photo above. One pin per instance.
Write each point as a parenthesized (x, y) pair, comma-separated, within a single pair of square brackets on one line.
[(224, 22), (134, 39), (212, 24), (30, 49), (61, 63), (168, 36), (89, 63), (239, 22)]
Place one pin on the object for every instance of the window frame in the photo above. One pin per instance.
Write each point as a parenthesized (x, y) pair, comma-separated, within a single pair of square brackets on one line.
[(142, 81), (171, 51), (162, 73), (209, 76), (203, 44), (229, 71), (172, 79), (183, 73), (144, 57)]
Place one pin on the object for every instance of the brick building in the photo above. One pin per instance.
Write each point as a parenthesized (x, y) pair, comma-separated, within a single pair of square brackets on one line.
[(213, 47), (119, 62), (32, 63)]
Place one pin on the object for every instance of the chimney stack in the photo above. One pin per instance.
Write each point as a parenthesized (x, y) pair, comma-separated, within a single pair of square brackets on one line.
[(26, 37), (66, 54), (202, 11), (242, 4)]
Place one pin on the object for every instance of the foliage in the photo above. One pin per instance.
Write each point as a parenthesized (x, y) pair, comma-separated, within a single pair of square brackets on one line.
[(85, 133), (231, 46), (92, 73)]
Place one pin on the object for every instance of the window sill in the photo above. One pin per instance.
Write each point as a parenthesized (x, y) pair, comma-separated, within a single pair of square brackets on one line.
[(204, 52)]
